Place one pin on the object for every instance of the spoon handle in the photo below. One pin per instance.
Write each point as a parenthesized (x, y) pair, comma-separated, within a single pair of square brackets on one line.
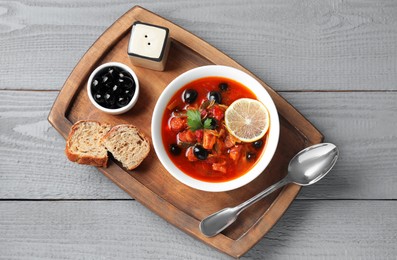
[(215, 223), (261, 195)]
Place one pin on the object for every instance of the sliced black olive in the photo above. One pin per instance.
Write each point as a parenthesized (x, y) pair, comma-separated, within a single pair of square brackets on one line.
[(216, 96), (175, 149), (250, 156), (223, 86), (257, 144), (190, 95), (200, 152)]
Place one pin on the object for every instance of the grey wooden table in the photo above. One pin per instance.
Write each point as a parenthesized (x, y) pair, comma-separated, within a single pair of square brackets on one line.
[(335, 61)]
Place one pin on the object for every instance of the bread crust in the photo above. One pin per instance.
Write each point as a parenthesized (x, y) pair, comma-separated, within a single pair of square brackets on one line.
[(83, 158)]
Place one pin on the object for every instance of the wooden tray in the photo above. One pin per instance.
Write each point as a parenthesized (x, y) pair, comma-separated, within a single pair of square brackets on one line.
[(150, 183)]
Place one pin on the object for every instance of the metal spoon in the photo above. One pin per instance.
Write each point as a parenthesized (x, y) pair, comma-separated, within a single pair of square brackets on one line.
[(307, 167)]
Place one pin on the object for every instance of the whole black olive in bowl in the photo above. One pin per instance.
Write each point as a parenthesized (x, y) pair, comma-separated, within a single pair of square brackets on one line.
[(113, 88)]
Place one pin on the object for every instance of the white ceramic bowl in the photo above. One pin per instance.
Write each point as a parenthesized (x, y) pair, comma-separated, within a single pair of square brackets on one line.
[(120, 110), (220, 71)]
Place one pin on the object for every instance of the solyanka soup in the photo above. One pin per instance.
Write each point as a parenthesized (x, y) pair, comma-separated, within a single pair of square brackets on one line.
[(194, 133)]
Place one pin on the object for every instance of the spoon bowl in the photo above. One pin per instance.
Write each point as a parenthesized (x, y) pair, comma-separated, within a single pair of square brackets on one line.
[(305, 168), (311, 164)]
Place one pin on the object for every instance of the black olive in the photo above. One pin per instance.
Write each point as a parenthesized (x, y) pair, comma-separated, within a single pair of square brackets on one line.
[(250, 156), (110, 100), (216, 96), (123, 73), (94, 83), (190, 95), (115, 88), (95, 87), (257, 144), (98, 97), (223, 86), (175, 149), (200, 152), (126, 81), (122, 101), (110, 73), (105, 79), (116, 70), (128, 92), (120, 80)]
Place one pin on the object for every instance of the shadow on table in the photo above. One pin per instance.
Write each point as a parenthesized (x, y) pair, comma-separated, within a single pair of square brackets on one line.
[(284, 237)]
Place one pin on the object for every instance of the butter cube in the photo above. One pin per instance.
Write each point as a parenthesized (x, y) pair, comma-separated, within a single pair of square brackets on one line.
[(149, 45)]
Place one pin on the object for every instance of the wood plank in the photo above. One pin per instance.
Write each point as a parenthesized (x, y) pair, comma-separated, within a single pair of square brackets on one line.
[(125, 229), (33, 164), (361, 126), (291, 45), (318, 46)]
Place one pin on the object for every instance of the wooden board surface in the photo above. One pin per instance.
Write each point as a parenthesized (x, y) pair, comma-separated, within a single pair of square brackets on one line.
[(322, 56), (150, 183)]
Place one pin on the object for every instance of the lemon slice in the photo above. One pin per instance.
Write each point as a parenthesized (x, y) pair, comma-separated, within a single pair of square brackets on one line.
[(247, 119)]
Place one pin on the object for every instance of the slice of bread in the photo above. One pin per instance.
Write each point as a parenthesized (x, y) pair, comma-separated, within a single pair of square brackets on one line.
[(84, 143), (127, 144)]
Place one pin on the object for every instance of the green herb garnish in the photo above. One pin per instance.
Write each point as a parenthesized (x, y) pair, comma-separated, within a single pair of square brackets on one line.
[(194, 120), (207, 123)]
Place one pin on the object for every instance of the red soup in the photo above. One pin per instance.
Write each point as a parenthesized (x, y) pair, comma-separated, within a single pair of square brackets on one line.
[(195, 136)]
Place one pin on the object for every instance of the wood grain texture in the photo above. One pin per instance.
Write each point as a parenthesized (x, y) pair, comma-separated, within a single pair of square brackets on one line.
[(291, 45), (127, 230), (33, 163), (361, 126)]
